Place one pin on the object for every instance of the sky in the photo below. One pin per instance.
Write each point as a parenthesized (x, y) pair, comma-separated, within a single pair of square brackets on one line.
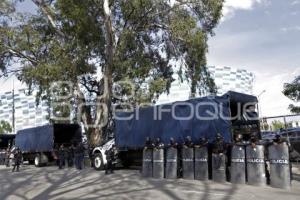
[(261, 36)]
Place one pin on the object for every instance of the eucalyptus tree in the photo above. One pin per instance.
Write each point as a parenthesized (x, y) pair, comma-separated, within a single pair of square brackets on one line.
[(93, 44)]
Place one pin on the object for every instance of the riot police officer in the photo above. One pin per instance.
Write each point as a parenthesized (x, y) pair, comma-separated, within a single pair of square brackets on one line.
[(236, 165), (158, 159), (79, 156), (173, 143), (7, 157), (219, 160), (71, 156), (279, 140), (61, 156), (239, 139), (148, 143), (187, 159), (188, 142), (17, 159), (147, 158), (201, 159), (203, 142), (218, 145), (158, 144), (171, 164), (111, 158), (253, 140)]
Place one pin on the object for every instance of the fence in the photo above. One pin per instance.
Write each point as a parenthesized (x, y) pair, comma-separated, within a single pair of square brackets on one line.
[(277, 123)]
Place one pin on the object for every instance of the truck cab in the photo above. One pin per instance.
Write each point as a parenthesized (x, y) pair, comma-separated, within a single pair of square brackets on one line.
[(99, 157)]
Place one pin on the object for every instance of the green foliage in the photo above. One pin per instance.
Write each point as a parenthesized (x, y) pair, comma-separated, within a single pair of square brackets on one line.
[(5, 127), (264, 126), (292, 91), (137, 41), (277, 125), (6, 7)]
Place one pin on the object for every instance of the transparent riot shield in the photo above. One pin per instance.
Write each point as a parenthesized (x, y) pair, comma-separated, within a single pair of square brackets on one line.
[(238, 165), (279, 166), (201, 163), (171, 163), (218, 167), (188, 163), (158, 163), (147, 163), (256, 173)]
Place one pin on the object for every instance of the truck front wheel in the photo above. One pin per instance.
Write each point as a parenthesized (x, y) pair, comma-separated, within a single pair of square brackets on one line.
[(37, 160), (98, 161)]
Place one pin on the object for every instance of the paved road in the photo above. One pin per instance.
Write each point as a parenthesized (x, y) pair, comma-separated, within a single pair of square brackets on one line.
[(50, 183)]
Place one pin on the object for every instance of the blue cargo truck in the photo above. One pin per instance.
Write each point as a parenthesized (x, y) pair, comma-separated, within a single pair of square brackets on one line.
[(39, 144), (230, 114)]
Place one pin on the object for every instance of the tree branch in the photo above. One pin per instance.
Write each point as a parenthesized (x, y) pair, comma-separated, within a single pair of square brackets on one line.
[(84, 83), (46, 10), (20, 54)]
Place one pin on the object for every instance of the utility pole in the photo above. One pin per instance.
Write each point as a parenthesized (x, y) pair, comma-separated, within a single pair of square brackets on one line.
[(13, 107), (259, 111), (258, 98)]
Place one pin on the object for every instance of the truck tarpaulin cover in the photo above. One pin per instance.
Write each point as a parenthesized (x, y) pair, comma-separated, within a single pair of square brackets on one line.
[(133, 127), (35, 139)]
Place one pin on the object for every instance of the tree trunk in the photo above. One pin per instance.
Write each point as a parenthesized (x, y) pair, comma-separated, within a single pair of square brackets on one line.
[(103, 108), (94, 136), (109, 53)]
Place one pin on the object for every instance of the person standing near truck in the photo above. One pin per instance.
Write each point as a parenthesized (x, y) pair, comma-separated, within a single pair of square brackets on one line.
[(17, 159), (7, 157), (76, 155), (79, 156), (67, 154), (71, 156), (61, 156), (111, 158)]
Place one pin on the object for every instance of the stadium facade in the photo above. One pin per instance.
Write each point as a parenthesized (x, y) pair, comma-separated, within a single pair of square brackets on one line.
[(226, 79), (21, 108)]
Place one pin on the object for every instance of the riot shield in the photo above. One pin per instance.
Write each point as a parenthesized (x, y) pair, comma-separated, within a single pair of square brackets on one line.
[(171, 163), (147, 163), (188, 163), (256, 173), (218, 167), (279, 166), (238, 165), (158, 163), (201, 163)]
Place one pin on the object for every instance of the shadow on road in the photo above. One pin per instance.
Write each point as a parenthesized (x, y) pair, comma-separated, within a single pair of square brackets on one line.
[(50, 183)]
